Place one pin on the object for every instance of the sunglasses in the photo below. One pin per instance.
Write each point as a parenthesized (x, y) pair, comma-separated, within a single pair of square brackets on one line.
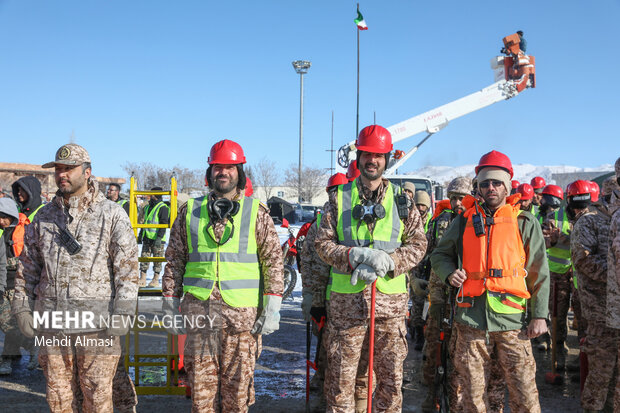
[(486, 184)]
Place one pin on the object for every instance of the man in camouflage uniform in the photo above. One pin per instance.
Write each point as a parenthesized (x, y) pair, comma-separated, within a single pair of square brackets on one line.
[(488, 323), (422, 202), (370, 247), (556, 237), (223, 253), (80, 254), (153, 239), (613, 276), (589, 249), (440, 309)]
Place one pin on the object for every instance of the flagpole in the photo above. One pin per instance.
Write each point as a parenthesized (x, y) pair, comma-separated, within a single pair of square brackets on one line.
[(357, 116)]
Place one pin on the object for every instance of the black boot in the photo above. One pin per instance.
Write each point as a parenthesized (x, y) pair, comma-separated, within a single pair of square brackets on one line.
[(419, 338)]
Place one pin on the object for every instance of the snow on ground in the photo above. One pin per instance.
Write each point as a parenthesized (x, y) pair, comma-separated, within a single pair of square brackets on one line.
[(522, 172)]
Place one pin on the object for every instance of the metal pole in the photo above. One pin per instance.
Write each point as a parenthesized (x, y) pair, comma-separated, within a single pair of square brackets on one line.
[(357, 116), (331, 153), (301, 133)]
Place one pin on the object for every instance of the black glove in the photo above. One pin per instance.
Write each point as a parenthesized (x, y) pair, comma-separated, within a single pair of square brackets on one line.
[(318, 313)]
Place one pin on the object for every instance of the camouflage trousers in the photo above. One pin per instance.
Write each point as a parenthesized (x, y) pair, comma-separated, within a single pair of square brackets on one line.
[(564, 284), (13, 338), (417, 308), (149, 250), (496, 389), (601, 348), (473, 358), (347, 356), (80, 374), (220, 367), (582, 322), (124, 394)]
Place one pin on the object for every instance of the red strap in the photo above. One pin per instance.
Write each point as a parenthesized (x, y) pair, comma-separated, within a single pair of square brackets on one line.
[(512, 304)]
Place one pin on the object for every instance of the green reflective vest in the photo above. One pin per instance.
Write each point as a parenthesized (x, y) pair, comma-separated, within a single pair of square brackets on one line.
[(351, 232), (559, 255), (233, 265), (152, 217), (33, 213), (122, 202), (428, 221)]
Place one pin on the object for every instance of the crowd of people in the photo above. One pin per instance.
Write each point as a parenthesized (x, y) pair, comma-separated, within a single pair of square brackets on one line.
[(483, 272)]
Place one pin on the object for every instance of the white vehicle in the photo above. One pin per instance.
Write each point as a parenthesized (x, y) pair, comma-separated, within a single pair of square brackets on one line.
[(514, 72)]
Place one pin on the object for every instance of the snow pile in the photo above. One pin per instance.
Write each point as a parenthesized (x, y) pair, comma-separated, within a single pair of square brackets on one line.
[(523, 172)]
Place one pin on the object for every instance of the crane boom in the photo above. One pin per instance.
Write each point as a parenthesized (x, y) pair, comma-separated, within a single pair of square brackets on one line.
[(513, 74)]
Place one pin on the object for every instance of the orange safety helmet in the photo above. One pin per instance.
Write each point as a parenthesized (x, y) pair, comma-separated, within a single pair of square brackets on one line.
[(526, 191), (515, 184), (336, 179), (352, 171), (374, 139), (538, 182), (553, 190), (495, 159), (226, 152), (248, 187), (595, 190)]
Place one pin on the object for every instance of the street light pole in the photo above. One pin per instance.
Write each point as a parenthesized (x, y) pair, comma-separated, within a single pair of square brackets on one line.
[(301, 67)]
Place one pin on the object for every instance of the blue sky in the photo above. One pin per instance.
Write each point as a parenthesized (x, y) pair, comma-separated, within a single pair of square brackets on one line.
[(161, 81)]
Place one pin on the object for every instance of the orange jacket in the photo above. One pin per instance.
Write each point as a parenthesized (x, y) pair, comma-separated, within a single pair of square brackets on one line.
[(500, 268), (18, 234)]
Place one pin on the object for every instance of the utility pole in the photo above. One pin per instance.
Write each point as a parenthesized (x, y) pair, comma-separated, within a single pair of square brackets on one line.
[(301, 67), (331, 150)]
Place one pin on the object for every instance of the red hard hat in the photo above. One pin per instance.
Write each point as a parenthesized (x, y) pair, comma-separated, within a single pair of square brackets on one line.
[(352, 171), (496, 159), (226, 152), (595, 190), (554, 190), (538, 182), (579, 187), (248, 187), (515, 184), (526, 191), (337, 179), (374, 139)]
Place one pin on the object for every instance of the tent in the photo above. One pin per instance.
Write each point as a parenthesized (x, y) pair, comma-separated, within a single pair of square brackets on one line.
[(279, 209)]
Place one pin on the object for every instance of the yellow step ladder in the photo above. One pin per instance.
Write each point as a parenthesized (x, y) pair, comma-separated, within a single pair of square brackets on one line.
[(171, 357)]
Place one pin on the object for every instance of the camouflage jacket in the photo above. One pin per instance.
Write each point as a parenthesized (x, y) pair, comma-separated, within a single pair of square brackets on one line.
[(438, 289), (102, 277), (613, 264), (589, 245), (407, 256), (269, 257), (314, 272)]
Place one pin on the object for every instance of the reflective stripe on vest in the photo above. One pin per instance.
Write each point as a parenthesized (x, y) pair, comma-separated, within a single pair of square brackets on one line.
[(121, 202), (152, 217), (559, 255), (428, 220), (496, 264), (234, 265), (33, 213), (351, 232)]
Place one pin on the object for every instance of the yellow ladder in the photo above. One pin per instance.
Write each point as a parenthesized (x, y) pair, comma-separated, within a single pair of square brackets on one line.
[(171, 357)]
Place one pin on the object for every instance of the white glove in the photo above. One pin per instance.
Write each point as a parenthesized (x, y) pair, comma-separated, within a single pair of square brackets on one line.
[(170, 307), (364, 273), (377, 259), (269, 319), (119, 325), (306, 305)]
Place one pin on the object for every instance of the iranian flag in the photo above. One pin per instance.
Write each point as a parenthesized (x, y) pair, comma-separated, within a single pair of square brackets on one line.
[(361, 23)]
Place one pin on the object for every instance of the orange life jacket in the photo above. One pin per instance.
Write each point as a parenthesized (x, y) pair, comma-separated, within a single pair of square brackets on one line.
[(495, 262), (18, 234)]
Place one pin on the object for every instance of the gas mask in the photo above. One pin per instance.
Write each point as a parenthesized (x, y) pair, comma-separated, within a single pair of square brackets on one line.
[(579, 201), (368, 213), (221, 209)]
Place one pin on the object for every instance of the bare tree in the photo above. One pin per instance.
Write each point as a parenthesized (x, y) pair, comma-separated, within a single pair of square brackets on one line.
[(313, 181), (266, 176), (149, 175)]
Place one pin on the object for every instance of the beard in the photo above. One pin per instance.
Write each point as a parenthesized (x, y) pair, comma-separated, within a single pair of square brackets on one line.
[(68, 187), (224, 183), (494, 199), (374, 174)]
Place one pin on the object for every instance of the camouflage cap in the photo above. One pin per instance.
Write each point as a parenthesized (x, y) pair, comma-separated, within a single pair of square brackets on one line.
[(461, 185), (69, 154), (609, 185)]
